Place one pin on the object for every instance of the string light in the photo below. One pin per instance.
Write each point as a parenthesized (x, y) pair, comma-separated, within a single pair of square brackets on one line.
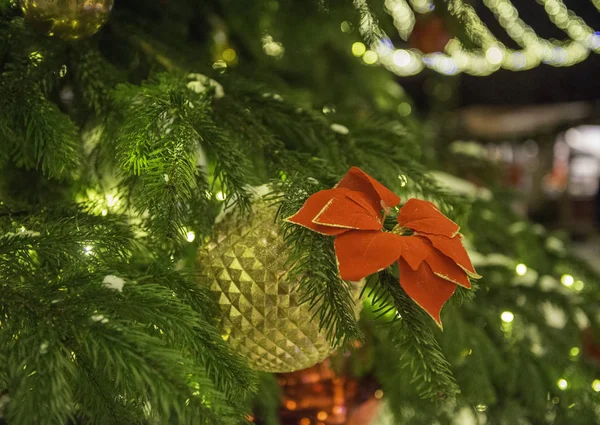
[(190, 236), (492, 54), (221, 196), (507, 316), (403, 16), (596, 385), (521, 269), (567, 280), (370, 57), (422, 6), (322, 415), (562, 384), (401, 57), (358, 49), (229, 55), (574, 352), (111, 200)]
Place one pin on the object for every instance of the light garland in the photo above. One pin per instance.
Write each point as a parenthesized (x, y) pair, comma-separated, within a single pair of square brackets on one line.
[(492, 54), (403, 16)]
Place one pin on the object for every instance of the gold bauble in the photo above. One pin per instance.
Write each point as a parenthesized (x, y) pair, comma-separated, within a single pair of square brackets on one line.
[(244, 265), (67, 19)]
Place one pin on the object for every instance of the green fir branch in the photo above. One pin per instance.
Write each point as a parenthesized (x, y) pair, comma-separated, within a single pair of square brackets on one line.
[(313, 263), (416, 345)]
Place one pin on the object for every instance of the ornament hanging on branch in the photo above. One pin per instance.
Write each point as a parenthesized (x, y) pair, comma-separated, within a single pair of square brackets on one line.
[(425, 243), (245, 266), (429, 34), (67, 19)]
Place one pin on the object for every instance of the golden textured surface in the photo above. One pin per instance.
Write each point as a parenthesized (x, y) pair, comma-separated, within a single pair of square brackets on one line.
[(67, 19), (244, 266)]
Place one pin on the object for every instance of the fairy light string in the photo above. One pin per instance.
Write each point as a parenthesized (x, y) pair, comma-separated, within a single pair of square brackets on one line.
[(491, 54)]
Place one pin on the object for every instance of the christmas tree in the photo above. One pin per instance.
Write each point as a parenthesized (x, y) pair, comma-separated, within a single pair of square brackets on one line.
[(196, 195)]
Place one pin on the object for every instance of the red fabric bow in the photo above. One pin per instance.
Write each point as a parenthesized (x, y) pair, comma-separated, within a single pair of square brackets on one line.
[(431, 262)]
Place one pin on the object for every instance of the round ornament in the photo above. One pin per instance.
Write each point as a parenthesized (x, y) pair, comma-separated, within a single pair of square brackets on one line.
[(244, 265), (67, 19), (430, 34)]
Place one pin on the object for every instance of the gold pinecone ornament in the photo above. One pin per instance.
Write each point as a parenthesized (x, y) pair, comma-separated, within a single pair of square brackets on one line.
[(67, 19), (262, 317)]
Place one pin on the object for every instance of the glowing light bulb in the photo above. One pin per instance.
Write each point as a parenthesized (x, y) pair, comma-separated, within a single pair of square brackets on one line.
[(190, 236), (574, 352), (229, 55), (567, 280), (507, 316), (401, 57), (596, 385), (322, 415), (494, 55), (370, 57), (562, 384), (111, 200), (358, 49), (521, 269)]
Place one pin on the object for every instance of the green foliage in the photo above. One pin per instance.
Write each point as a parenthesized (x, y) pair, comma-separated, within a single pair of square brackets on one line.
[(35, 132), (162, 130), (73, 349), (413, 340), (268, 399), (143, 350), (312, 262), (95, 77)]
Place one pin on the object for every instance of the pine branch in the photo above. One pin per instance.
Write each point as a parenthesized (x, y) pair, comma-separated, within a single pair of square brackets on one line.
[(268, 399), (229, 372), (40, 387), (412, 336), (312, 262), (163, 125), (368, 24), (94, 77), (37, 133)]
